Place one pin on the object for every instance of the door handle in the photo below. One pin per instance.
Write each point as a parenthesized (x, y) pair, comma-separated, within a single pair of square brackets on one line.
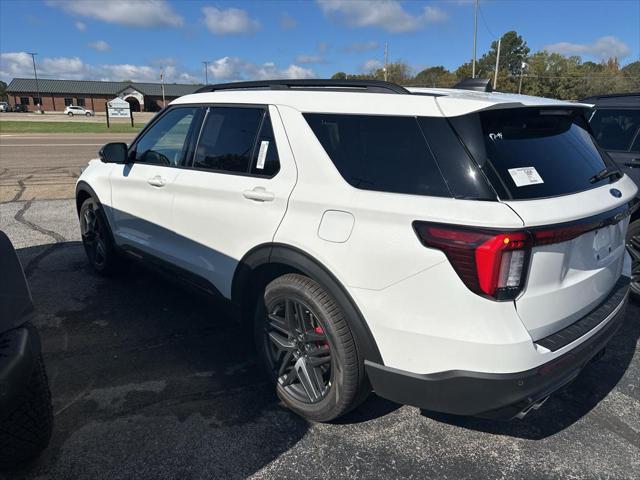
[(156, 181), (634, 163), (259, 194)]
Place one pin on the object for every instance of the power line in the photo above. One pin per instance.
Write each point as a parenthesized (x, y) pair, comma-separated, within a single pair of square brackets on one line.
[(486, 25)]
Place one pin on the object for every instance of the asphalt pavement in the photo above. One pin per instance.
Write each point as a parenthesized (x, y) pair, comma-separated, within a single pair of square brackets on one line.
[(153, 381)]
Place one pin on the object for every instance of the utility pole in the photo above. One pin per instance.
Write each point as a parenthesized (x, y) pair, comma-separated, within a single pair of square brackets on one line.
[(386, 61), (206, 73), (495, 79), (35, 73), (522, 65), (475, 38)]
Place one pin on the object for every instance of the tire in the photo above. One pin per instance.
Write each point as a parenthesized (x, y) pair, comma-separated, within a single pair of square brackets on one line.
[(70, 114), (97, 239), (87, 114), (633, 247), (26, 430), (324, 349)]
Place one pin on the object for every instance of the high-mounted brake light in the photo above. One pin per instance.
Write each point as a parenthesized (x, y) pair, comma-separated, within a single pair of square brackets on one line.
[(490, 263)]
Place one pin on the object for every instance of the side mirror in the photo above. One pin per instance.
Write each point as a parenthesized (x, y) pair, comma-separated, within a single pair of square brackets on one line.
[(114, 153)]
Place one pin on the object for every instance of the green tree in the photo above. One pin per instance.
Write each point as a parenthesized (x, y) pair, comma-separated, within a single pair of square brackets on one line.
[(435, 77), (513, 51), (398, 72), (339, 76), (3, 92)]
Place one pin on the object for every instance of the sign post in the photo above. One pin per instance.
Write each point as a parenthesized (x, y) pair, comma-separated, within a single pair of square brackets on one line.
[(119, 108)]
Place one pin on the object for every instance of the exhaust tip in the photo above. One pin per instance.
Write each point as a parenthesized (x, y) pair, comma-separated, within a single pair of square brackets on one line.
[(533, 406)]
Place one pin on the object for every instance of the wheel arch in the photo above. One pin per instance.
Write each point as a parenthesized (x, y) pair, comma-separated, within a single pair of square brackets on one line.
[(269, 261)]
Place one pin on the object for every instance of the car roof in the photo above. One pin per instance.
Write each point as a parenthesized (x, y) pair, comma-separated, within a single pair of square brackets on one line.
[(419, 101), (629, 100)]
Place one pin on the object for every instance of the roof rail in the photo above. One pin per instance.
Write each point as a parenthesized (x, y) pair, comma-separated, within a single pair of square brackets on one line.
[(475, 84), (370, 86)]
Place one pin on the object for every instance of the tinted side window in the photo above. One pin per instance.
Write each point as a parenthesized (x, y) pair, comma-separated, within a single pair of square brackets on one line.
[(265, 157), (228, 138), (383, 153), (164, 142), (615, 129)]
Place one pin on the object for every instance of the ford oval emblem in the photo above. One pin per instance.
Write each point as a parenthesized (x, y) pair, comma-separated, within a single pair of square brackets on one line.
[(615, 192)]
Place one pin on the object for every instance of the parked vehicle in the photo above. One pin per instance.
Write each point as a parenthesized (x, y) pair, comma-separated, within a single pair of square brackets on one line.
[(72, 110), (4, 107), (615, 121), (18, 107), (458, 251), (26, 417)]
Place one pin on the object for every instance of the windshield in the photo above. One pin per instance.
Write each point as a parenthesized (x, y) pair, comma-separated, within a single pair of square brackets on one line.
[(533, 152)]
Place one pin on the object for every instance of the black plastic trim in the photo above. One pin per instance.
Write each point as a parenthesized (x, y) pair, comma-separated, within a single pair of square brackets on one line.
[(489, 395), (375, 86), (564, 337), (278, 253)]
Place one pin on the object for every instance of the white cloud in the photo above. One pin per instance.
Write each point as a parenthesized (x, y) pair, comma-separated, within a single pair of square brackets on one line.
[(389, 15), (287, 22), (434, 15), (229, 21), (138, 13), (371, 65), (309, 59), (602, 48), (234, 68), (100, 46), (359, 47), (81, 26), (18, 64)]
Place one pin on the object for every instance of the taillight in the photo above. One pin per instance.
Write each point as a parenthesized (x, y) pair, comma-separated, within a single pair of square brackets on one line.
[(490, 263)]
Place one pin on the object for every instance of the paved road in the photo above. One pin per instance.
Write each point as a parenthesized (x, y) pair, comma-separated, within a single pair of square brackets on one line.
[(45, 166), (152, 381)]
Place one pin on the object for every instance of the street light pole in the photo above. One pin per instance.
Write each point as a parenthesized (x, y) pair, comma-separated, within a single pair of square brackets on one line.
[(522, 67), (495, 79), (475, 38), (35, 73), (206, 74)]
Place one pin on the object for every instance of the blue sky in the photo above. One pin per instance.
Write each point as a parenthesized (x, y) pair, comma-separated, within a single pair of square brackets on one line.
[(134, 39)]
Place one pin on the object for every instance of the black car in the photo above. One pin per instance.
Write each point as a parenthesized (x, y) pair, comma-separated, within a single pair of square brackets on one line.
[(18, 107), (26, 416), (615, 121)]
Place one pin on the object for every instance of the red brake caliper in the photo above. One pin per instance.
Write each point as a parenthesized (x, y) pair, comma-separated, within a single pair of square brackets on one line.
[(319, 330)]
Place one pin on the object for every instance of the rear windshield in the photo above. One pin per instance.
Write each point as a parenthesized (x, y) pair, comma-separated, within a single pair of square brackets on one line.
[(533, 152), (383, 153)]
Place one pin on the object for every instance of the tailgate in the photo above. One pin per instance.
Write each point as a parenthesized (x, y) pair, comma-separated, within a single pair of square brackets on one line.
[(567, 279)]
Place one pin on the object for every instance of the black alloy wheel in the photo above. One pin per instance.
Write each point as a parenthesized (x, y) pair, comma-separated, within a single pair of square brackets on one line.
[(96, 238), (308, 348), (298, 350)]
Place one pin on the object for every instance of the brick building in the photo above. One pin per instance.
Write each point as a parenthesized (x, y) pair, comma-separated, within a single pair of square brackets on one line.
[(57, 94)]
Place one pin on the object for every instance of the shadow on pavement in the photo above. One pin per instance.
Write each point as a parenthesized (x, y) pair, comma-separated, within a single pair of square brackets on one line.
[(147, 378)]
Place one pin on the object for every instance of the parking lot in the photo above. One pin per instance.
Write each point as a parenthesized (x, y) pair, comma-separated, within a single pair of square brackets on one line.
[(152, 381)]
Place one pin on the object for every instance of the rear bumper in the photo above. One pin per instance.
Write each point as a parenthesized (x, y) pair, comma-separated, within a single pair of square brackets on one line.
[(19, 350), (491, 395)]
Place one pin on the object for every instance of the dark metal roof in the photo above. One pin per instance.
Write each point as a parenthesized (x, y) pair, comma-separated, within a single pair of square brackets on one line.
[(92, 87), (628, 100)]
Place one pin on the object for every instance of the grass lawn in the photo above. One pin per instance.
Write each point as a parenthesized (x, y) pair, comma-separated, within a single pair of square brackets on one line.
[(8, 126)]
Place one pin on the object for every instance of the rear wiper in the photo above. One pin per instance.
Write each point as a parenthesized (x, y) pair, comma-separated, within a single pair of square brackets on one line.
[(606, 173)]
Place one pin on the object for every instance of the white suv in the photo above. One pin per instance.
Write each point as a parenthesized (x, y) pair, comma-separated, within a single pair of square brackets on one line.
[(458, 251), (72, 110)]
